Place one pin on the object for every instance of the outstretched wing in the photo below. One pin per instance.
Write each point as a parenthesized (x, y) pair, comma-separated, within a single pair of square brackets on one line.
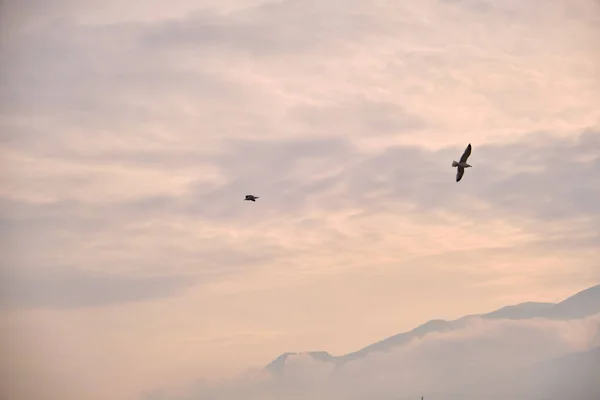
[(459, 173), (466, 154)]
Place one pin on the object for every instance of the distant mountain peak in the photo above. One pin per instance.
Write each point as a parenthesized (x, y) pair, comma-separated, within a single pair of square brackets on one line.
[(277, 366), (580, 305)]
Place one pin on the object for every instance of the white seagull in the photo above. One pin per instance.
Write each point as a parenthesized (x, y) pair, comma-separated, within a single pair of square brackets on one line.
[(251, 197), (462, 164)]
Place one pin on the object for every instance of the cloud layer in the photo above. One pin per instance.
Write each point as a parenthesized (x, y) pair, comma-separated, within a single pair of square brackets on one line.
[(131, 133)]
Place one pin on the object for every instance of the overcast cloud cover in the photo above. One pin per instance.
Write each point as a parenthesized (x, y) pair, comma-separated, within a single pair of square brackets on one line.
[(131, 131)]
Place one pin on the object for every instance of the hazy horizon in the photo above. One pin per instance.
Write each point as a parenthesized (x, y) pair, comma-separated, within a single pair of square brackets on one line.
[(131, 131)]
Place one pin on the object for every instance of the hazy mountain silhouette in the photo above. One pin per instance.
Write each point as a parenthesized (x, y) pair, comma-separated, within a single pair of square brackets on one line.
[(583, 304)]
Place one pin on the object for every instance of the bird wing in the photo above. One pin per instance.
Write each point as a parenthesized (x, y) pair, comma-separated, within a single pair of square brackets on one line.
[(459, 173), (466, 154)]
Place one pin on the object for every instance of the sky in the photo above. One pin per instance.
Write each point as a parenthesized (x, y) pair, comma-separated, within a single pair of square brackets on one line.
[(131, 132)]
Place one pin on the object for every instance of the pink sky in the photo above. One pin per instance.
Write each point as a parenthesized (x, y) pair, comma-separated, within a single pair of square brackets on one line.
[(131, 132)]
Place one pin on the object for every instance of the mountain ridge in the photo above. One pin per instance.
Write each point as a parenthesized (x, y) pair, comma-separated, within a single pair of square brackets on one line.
[(580, 305)]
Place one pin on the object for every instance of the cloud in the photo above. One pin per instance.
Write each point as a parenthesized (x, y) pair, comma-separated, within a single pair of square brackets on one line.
[(360, 116), (468, 361), (71, 288), (546, 177), (550, 197), (130, 135), (274, 28)]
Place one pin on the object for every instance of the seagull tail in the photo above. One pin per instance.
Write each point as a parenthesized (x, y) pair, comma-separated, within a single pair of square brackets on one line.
[(454, 164)]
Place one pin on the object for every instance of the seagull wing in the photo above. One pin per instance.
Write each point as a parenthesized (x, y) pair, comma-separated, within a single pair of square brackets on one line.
[(466, 154), (459, 173)]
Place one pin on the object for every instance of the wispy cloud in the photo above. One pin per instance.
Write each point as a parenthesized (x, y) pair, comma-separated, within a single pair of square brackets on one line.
[(77, 289), (130, 134)]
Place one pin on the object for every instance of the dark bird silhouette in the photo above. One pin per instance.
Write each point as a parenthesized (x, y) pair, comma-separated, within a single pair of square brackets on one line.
[(251, 197), (462, 164)]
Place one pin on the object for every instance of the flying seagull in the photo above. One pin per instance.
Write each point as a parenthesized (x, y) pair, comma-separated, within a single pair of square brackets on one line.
[(462, 164), (251, 197)]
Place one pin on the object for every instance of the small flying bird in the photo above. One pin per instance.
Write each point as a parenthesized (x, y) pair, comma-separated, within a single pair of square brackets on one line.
[(462, 164), (251, 197)]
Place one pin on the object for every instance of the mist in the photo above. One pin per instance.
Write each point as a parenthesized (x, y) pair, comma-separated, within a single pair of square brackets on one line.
[(482, 359)]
